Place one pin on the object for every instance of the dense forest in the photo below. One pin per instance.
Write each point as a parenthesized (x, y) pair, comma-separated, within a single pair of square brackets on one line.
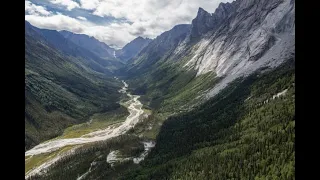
[(93, 156), (60, 90), (247, 131)]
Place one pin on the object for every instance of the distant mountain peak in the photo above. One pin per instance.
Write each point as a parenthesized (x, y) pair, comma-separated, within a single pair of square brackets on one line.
[(139, 37), (202, 23), (201, 11), (132, 48)]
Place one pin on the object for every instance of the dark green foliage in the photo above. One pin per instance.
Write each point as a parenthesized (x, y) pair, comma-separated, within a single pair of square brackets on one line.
[(155, 72), (60, 90), (235, 135), (71, 167), (82, 52), (166, 85)]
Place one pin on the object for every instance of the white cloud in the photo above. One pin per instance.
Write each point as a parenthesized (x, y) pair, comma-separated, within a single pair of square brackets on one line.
[(56, 22), (148, 18), (82, 18), (112, 34), (152, 17), (69, 4), (33, 9), (89, 4)]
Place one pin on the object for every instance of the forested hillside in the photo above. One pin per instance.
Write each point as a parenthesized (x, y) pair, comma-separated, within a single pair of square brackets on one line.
[(245, 132), (60, 90)]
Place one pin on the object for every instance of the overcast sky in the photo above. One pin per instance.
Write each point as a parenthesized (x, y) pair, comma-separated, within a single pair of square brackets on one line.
[(115, 22)]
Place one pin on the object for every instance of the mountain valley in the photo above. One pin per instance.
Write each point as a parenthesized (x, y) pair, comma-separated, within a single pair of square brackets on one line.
[(214, 99)]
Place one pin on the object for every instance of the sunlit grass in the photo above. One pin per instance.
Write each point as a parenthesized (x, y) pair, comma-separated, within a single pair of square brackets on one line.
[(37, 160)]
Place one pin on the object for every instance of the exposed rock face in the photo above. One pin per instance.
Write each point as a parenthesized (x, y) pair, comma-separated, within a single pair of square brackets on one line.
[(237, 39), (254, 34), (202, 23), (160, 48), (205, 21)]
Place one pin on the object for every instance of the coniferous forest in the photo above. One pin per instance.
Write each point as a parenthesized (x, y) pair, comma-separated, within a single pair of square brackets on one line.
[(245, 132)]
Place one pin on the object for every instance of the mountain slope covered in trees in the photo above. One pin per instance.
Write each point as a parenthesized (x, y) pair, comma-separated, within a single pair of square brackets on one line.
[(60, 90), (83, 53), (247, 131)]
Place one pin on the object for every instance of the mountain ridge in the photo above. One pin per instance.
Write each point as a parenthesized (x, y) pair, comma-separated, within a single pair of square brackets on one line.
[(57, 41), (132, 49), (60, 90), (89, 42), (237, 45)]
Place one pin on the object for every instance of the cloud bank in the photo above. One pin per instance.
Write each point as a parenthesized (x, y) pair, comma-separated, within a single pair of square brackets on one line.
[(69, 4), (35, 10), (132, 18)]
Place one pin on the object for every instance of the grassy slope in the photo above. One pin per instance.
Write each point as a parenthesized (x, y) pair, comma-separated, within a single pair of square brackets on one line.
[(230, 136), (98, 121), (34, 161), (61, 91), (167, 88)]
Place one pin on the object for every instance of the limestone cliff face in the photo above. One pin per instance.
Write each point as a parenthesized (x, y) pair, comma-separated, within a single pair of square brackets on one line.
[(205, 21), (251, 34), (237, 39)]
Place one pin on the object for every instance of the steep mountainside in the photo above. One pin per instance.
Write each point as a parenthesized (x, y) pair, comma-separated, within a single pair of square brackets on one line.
[(67, 47), (132, 48), (205, 22), (90, 43), (158, 49), (152, 74), (239, 61), (256, 34), (247, 131), (236, 40), (60, 90)]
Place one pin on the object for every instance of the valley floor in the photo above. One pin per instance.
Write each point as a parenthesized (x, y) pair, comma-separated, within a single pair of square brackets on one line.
[(245, 132), (42, 156)]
